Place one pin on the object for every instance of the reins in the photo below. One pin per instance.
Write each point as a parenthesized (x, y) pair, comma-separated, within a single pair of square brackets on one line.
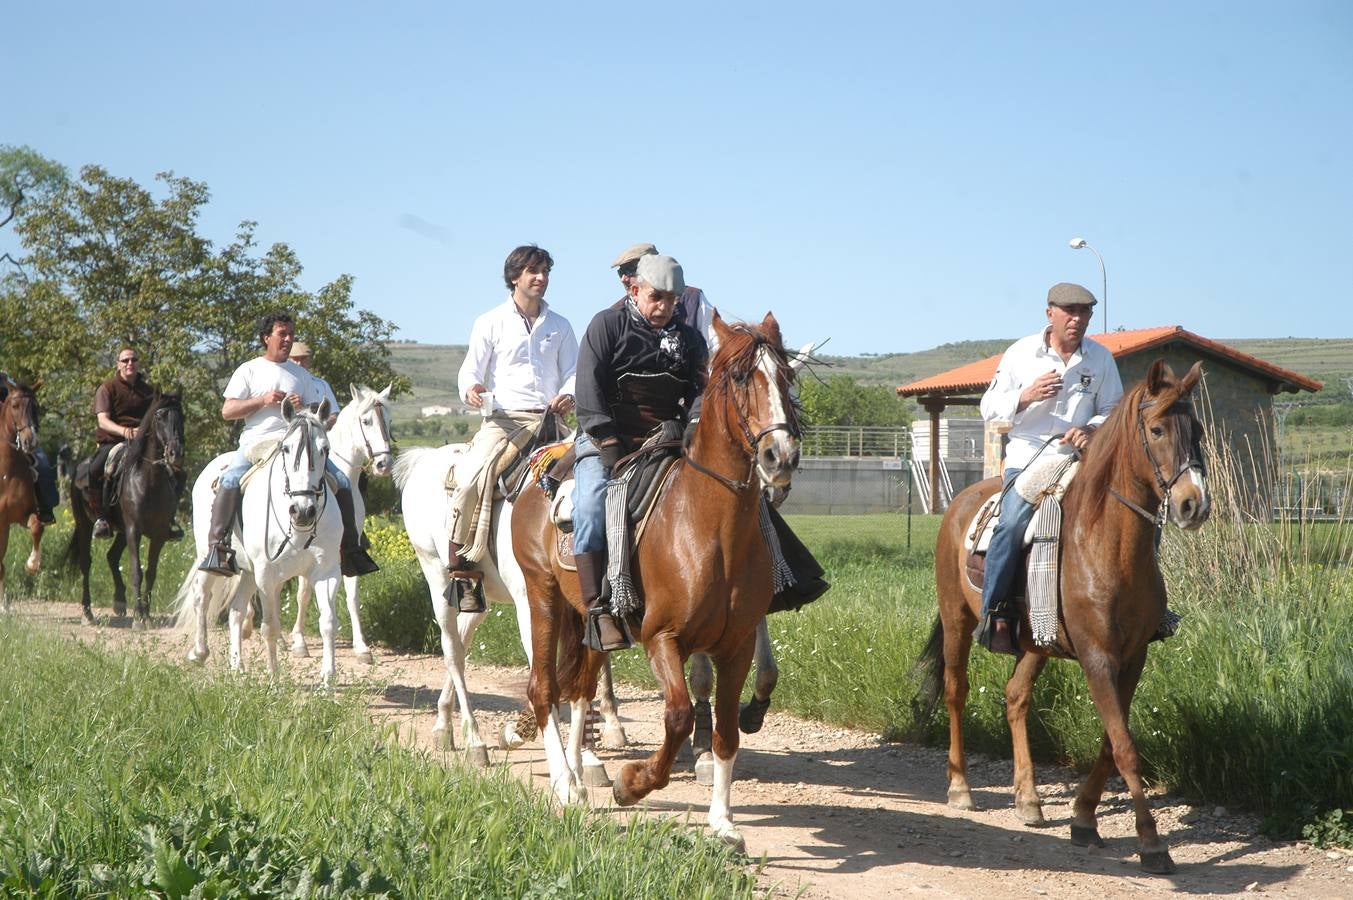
[(319, 493)]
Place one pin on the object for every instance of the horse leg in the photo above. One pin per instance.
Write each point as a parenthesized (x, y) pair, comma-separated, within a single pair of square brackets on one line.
[(1112, 692), (957, 646), (702, 732), (152, 567), (360, 651), (133, 539), (34, 562), (269, 592), (328, 627), (198, 652), (543, 692), (753, 713), (638, 779), (732, 673), (80, 537), (4, 546), (298, 647), (239, 611), (476, 751), (613, 735), (114, 557), (1018, 691)]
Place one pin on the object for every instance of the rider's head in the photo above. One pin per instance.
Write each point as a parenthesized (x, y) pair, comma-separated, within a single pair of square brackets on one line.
[(1070, 307), (128, 364), (275, 333), (627, 263), (302, 355), (657, 285), (524, 258)]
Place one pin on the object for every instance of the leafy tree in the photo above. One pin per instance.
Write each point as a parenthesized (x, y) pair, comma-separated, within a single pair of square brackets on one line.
[(841, 400), (108, 263), (25, 175)]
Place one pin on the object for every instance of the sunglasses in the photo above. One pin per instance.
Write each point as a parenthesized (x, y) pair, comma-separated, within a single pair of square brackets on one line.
[(128, 360)]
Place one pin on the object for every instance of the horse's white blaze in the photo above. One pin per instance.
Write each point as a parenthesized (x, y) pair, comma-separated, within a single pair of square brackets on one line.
[(1200, 482), (784, 444)]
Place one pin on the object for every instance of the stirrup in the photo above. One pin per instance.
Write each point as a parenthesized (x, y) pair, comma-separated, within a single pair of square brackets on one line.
[(592, 637), (465, 592), (996, 634), (102, 529), (220, 560)]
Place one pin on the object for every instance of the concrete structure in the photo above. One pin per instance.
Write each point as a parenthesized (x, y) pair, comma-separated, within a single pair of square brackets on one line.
[(1236, 398)]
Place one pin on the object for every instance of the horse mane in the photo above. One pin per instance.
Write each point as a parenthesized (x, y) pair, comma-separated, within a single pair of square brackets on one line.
[(735, 361), (137, 445), (1113, 445)]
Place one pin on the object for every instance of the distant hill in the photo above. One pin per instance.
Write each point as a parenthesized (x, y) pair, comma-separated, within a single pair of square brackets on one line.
[(433, 367)]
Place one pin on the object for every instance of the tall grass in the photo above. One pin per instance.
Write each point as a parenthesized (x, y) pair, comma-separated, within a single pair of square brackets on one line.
[(146, 778)]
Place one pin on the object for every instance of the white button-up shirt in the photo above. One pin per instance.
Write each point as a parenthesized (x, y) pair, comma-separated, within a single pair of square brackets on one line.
[(1091, 388), (525, 367)]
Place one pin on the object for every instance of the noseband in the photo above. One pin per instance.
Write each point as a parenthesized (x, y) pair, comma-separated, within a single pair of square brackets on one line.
[(1192, 461), (366, 441)]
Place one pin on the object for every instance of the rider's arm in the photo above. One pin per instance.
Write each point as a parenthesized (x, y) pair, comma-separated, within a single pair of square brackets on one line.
[(233, 409), (1001, 402), (594, 362), (474, 370), (112, 427), (1110, 392)]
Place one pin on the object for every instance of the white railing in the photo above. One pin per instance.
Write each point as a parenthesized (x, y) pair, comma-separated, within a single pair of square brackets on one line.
[(855, 441)]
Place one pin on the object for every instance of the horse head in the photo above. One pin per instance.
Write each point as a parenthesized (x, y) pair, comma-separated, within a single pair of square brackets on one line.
[(363, 429), (19, 418), (165, 421), (750, 383), (1171, 436), (304, 451)]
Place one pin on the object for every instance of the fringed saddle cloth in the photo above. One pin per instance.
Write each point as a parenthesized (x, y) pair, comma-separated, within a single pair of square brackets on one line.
[(1042, 484)]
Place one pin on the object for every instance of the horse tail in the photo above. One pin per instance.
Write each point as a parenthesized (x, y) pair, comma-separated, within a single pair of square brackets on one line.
[(185, 603), (571, 671), (406, 462), (929, 670), (81, 533)]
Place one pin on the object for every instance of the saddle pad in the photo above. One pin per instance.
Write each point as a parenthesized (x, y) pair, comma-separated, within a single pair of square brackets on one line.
[(115, 454), (259, 454), (977, 536), (563, 505)]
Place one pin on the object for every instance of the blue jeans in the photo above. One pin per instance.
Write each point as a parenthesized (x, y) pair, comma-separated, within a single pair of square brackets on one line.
[(48, 495), (239, 464), (589, 498), (1007, 545)]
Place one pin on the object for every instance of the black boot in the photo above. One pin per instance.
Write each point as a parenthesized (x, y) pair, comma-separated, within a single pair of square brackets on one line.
[(605, 631), (465, 590), (220, 558), (175, 532), (101, 504), (355, 560), (809, 583)]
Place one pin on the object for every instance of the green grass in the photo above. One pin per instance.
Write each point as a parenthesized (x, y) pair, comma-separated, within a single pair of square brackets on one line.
[(147, 779)]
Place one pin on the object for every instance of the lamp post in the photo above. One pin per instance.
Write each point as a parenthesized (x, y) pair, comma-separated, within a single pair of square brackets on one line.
[(1080, 244)]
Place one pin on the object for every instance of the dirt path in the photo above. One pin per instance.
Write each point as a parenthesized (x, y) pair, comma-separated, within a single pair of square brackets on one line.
[(837, 813)]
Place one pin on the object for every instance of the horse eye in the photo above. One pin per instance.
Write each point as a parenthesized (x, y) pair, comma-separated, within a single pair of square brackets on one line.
[(1157, 431)]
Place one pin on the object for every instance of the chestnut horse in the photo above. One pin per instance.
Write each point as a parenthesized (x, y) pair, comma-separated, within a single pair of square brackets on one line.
[(151, 466), (18, 492), (703, 565), (1146, 456)]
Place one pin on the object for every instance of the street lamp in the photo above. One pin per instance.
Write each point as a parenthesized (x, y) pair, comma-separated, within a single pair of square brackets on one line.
[(1080, 244)]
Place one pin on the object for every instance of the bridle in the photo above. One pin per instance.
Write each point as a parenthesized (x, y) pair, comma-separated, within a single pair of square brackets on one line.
[(1193, 460), (164, 432), (315, 490), (790, 426), (366, 441), (21, 408)]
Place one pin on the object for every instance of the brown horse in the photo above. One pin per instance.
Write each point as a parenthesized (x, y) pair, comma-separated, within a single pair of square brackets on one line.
[(703, 565), (1147, 455), (18, 490)]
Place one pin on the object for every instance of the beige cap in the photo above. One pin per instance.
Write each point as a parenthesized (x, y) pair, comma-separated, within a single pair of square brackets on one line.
[(630, 254), (1061, 294), (300, 349)]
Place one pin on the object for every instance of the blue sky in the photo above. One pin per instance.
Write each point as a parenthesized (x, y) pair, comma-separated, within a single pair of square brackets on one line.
[(892, 176)]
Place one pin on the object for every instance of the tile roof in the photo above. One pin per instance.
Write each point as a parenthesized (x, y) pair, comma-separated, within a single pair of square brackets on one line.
[(976, 376)]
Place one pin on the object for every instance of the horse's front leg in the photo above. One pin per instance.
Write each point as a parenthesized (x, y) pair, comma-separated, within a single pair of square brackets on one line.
[(1112, 688), (298, 647), (133, 538), (152, 567), (35, 528), (201, 584), (239, 611), (702, 733), (325, 587), (733, 669), (360, 651), (114, 557), (1018, 692), (753, 713), (4, 545), (638, 779), (543, 692)]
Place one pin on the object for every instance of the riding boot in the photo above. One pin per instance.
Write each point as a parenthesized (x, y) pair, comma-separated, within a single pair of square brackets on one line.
[(103, 503), (220, 558), (465, 590), (355, 560), (180, 478), (809, 583), (605, 630)]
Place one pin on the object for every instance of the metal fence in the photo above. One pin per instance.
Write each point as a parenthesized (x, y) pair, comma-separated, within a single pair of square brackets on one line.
[(856, 441)]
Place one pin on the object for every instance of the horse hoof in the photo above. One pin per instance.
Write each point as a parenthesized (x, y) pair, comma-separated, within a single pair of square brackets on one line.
[(119, 609), (733, 839), (1158, 862), (299, 650), (1088, 836), (88, 617), (961, 798), (32, 568), (196, 658), (1030, 814), (614, 738), (365, 658), (443, 739), (704, 768), (477, 756), (753, 715), (622, 796), (508, 739), (140, 624), (595, 776)]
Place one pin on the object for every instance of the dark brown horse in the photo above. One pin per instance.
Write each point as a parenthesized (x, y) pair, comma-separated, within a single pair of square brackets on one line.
[(151, 469), (1147, 456), (702, 563), (19, 415)]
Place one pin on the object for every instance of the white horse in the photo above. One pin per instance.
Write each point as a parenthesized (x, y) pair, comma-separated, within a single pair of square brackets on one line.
[(293, 529), (420, 474), (360, 436)]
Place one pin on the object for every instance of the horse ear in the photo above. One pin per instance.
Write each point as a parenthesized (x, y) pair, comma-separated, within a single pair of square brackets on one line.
[(37, 385), (288, 410), (1190, 380), (1160, 377), (385, 394), (353, 390), (721, 329), (323, 410), (799, 359)]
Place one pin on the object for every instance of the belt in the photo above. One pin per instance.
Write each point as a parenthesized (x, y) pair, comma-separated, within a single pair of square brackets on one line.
[(535, 412)]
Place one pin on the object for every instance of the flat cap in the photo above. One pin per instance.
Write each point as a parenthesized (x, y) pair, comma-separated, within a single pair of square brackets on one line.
[(630, 254), (300, 349), (662, 272), (1066, 294)]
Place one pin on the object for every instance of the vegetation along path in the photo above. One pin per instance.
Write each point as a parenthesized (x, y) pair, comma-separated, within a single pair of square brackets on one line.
[(836, 812)]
